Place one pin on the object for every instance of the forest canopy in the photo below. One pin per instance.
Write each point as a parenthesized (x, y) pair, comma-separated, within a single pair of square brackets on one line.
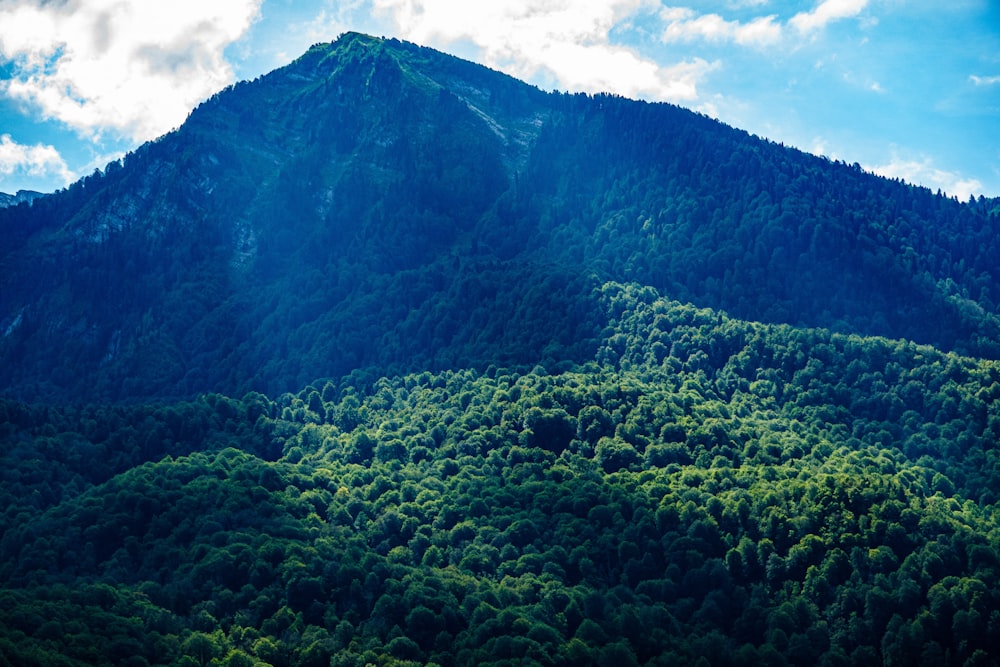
[(705, 489)]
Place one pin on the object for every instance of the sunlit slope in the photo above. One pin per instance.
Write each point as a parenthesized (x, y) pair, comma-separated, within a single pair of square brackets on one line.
[(706, 489)]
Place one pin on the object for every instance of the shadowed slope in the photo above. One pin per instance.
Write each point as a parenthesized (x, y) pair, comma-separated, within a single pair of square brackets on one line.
[(378, 205)]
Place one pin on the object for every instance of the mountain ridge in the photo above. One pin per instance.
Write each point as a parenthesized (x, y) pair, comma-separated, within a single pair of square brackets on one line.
[(18, 197), (376, 167)]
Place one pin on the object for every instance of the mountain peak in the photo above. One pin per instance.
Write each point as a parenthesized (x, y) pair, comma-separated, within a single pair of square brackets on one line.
[(377, 204), (347, 44)]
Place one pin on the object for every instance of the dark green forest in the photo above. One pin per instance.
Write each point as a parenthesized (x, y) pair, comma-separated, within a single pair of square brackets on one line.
[(378, 205), (385, 358), (706, 491)]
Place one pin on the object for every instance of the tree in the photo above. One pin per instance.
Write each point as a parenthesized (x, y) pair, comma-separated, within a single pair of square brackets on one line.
[(549, 429), (202, 647), (613, 454)]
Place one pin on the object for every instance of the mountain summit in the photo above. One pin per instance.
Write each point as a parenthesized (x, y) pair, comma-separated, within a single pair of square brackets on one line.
[(379, 205)]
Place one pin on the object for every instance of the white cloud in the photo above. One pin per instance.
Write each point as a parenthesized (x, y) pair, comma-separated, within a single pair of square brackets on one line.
[(820, 148), (37, 160), (135, 68), (861, 81), (684, 25), (323, 27), (826, 12), (984, 80), (922, 171), (566, 40)]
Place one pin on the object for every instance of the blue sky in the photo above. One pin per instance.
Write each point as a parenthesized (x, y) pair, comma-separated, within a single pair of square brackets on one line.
[(906, 88)]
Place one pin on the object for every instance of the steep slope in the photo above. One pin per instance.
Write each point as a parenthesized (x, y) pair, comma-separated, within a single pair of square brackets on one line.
[(377, 205), (308, 224)]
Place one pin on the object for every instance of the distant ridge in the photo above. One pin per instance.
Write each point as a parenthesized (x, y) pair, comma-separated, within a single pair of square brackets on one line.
[(20, 196)]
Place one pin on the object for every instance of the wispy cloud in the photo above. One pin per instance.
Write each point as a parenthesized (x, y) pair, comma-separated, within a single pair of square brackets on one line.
[(826, 12), (820, 147), (132, 68), (567, 41), (684, 24), (923, 171), (861, 81), (984, 80), (37, 160)]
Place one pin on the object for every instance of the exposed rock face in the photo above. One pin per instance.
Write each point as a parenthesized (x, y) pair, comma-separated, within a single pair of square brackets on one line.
[(20, 196)]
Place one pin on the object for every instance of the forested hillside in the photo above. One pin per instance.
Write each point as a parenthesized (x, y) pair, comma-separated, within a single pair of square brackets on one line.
[(379, 205), (705, 490), (388, 359)]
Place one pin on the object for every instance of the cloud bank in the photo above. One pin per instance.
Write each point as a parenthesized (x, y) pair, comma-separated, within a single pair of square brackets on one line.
[(132, 68), (567, 41), (922, 170)]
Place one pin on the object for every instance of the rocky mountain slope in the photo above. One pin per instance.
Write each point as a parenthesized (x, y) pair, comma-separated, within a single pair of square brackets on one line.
[(18, 197)]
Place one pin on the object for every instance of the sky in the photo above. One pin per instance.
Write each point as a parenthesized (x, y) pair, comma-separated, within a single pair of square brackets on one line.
[(908, 89)]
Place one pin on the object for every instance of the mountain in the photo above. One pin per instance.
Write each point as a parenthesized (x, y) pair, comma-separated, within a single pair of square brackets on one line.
[(388, 359), (15, 199), (377, 205)]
